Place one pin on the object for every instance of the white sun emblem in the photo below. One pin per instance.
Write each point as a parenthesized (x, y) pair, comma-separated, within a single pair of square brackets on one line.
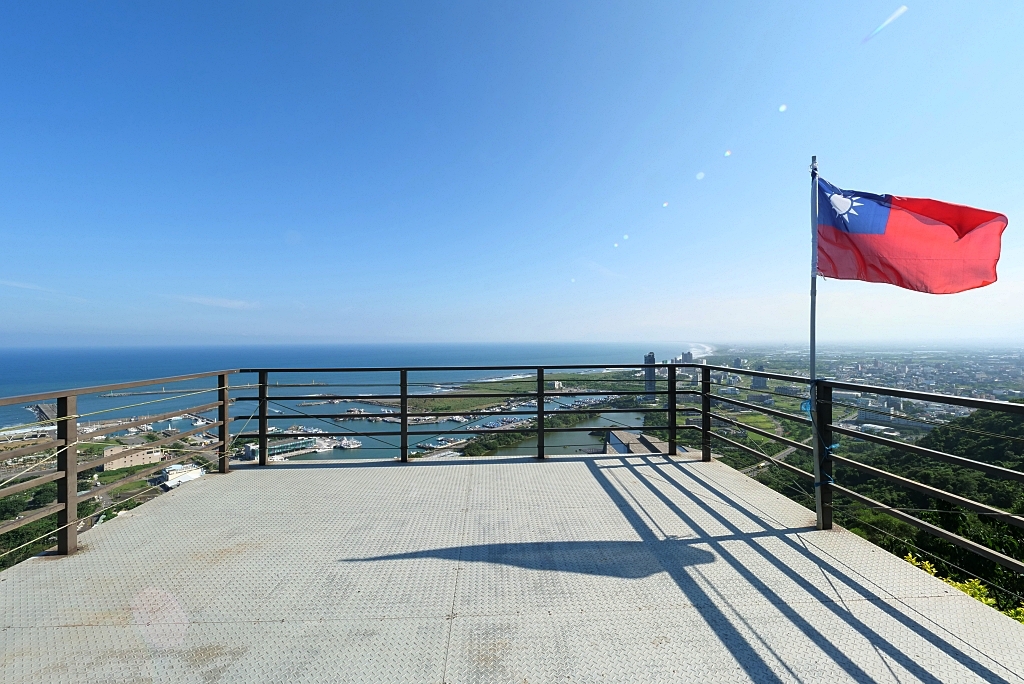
[(845, 206)]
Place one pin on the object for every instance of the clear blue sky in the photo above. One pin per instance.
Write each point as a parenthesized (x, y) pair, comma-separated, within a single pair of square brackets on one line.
[(193, 173)]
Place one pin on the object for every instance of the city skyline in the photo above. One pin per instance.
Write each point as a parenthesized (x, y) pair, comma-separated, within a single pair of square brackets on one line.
[(255, 174)]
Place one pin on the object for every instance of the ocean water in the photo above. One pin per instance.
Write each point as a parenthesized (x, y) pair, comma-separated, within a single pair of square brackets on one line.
[(25, 371)]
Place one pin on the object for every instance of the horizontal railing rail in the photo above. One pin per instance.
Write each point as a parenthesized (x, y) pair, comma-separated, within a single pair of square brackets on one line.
[(951, 399), (80, 391)]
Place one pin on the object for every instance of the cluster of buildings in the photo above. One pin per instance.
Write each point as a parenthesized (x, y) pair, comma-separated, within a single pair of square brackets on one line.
[(974, 374)]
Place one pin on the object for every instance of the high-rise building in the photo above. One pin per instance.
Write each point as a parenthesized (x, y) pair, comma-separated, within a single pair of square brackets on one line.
[(684, 357), (649, 376), (758, 382), (737, 362)]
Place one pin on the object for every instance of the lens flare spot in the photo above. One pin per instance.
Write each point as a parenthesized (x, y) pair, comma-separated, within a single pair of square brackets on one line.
[(783, 108), (728, 153), (625, 237), (700, 176), (665, 204), (615, 244), (572, 280)]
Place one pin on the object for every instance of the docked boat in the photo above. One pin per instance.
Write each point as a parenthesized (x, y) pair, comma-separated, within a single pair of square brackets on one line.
[(349, 443)]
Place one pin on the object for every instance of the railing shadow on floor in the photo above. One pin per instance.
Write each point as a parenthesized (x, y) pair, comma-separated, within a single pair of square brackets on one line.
[(877, 640), (653, 554)]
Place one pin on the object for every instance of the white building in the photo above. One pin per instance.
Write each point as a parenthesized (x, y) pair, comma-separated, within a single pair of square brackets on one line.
[(174, 475)]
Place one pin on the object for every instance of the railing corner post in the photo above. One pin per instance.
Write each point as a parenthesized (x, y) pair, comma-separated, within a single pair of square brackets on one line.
[(67, 486), (264, 445), (821, 405), (705, 413), (672, 433), (404, 410), (224, 418), (540, 413)]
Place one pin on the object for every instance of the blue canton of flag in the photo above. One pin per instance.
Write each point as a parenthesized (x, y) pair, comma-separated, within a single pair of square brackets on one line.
[(851, 211)]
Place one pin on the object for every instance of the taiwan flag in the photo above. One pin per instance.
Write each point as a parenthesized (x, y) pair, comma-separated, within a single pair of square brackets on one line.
[(919, 244)]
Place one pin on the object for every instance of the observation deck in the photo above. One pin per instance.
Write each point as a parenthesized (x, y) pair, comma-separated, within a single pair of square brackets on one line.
[(571, 568)]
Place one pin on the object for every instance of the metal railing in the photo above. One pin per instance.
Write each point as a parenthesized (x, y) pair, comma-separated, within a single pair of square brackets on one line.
[(656, 391), (68, 421), (820, 409), (537, 391)]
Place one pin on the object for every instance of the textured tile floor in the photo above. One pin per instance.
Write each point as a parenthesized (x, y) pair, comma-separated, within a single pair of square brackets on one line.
[(583, 569)]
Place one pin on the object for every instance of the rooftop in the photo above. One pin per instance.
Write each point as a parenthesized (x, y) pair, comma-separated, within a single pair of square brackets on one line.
[(606, 567)]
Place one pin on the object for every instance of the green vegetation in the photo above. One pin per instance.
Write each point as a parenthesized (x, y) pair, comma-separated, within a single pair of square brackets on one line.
[(128, 489), (758, 420), (524, 389), (108, 476), (201, 460), (994, 438), (94, 449), (24, 503), (485, 444), (972, 587)]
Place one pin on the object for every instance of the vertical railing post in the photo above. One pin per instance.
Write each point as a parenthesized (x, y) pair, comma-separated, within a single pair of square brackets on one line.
[(540, 413), (404, 410), (821, 405), (672, 448), (224, 418), (264, 446), (67, 486), (705, 413)]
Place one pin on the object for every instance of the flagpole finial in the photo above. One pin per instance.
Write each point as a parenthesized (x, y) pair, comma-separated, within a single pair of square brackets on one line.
[(814, 165)]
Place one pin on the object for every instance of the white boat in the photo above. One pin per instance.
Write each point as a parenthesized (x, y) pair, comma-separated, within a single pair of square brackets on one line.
[(349, 443), (323, 445)]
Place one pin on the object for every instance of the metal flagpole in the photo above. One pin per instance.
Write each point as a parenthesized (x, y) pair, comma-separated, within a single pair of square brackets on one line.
[(814, 259), (821, 501)]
